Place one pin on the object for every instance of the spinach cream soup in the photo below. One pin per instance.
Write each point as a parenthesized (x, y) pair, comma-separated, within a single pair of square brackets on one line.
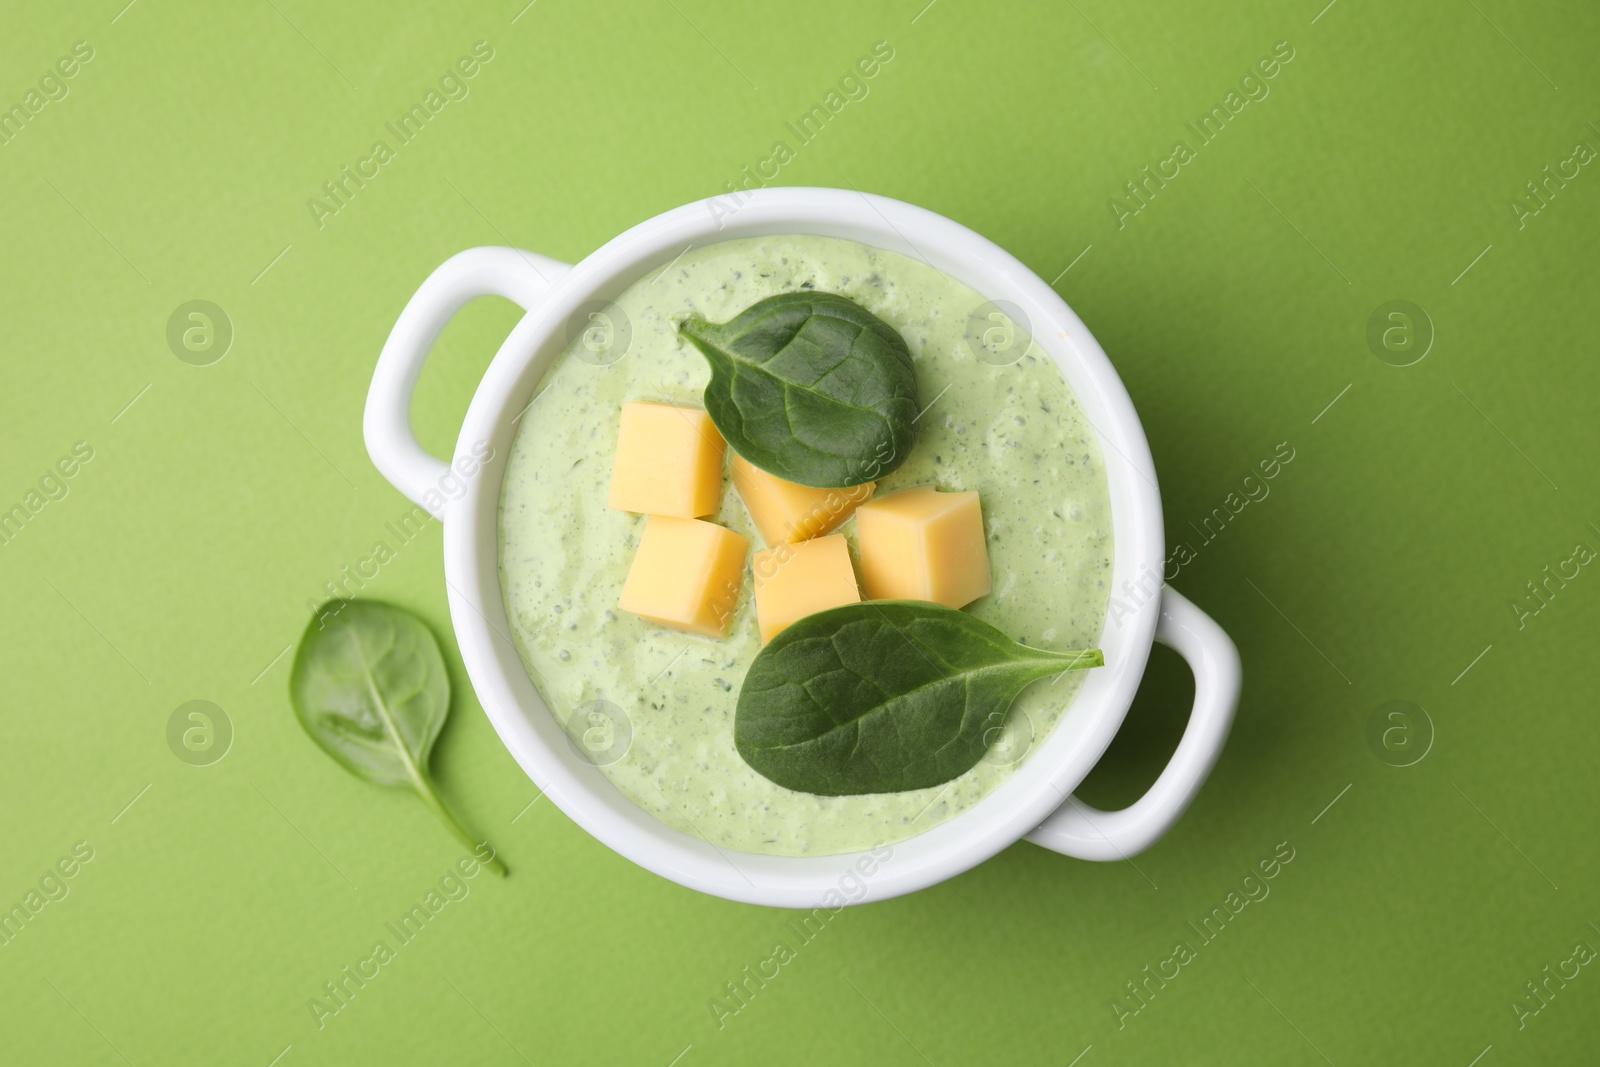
[(654, 707)]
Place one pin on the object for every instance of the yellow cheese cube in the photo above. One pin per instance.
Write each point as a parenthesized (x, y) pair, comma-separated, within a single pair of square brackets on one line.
[(686, 574), (921, 544), (668, 462), (784, 511), (793, 581)]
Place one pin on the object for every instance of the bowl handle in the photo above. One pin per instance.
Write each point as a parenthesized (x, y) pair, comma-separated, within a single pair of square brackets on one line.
[(519, 276), (1076, 829)]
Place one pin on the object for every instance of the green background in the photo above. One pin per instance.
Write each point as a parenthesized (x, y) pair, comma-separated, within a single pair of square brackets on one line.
[(1382, 566)]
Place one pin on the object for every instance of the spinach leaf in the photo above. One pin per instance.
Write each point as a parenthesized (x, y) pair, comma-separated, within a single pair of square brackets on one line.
[(811, 387), (369, 686), (883, 696)]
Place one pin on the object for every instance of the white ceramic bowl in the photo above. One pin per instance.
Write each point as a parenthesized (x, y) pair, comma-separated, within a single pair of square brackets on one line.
[(1036, 801)]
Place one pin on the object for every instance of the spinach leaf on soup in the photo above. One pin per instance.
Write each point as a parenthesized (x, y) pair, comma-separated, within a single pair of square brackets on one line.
[(811, 387), (883, 696), (369, 686)]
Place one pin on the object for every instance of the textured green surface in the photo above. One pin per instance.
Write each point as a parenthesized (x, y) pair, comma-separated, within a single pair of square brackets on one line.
[(1235, 303)]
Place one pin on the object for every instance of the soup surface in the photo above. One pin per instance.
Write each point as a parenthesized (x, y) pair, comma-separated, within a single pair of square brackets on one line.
[(654, 707)]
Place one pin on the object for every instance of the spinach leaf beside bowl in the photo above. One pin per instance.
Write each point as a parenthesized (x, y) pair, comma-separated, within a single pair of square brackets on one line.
[(370, 687)]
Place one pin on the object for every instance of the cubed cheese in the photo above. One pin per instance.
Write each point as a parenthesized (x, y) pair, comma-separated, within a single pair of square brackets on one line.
[(921, 544), (668, 462), (686, 574), (796, 580), (784, 511)]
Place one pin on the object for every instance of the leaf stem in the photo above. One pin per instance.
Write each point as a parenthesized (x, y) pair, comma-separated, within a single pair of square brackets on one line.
[(435, 804), (417, 770)]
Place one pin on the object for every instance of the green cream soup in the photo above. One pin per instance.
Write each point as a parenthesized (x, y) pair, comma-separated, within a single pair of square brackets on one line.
[(653, 707)]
